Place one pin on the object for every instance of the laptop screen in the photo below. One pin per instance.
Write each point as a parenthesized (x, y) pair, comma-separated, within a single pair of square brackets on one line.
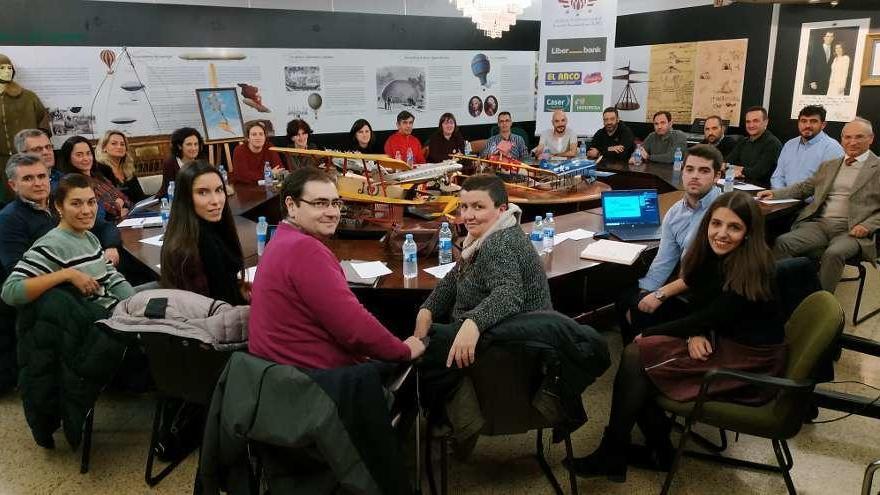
[(630, 207)]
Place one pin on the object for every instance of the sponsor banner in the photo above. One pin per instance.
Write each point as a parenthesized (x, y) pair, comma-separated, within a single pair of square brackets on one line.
[(557, 102), (587, 103), (577, 38), (562, 78)]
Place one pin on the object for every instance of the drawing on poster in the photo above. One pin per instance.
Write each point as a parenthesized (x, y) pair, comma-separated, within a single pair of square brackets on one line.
[(70, 121), (490, 107), (400, 87), (627, 99), (250, 96), (475, 106), (718, 87), (480, 67), (302, 78), (221, 114), (830, 53), (672, 80)]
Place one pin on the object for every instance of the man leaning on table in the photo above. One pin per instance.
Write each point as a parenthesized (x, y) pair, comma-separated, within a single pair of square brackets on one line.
[(754, 158), (661, 144), (845, 213), (645, 305)]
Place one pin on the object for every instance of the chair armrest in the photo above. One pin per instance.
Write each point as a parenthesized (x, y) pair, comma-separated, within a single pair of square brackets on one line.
[(760, 380)]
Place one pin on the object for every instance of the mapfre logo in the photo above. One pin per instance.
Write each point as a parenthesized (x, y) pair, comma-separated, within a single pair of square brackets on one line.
[(576, 6)]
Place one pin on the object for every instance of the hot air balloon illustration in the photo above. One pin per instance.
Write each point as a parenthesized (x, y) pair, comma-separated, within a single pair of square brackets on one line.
[(315, 102), (480, 67), (108, 57)]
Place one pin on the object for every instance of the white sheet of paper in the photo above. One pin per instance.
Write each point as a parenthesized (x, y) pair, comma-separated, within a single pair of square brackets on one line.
[(747, 187), (250, 273), (778, 201), (575, 235), (440, 271), (130, 222), (156, 240), (371, 269), (152, 221)]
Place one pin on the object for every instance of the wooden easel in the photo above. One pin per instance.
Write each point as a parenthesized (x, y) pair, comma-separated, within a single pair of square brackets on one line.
[(217, 150)]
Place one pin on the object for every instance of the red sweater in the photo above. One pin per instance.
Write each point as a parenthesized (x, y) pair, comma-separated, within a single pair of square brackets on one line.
[(399, 142), (304, 314), (247, 166)]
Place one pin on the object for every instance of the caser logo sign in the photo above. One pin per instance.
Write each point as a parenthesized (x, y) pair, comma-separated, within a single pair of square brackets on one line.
[(562, 78), (576, 50), (557, 102)]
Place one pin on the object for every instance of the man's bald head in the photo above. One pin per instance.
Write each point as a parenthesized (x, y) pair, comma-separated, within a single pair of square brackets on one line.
[(559, 120)]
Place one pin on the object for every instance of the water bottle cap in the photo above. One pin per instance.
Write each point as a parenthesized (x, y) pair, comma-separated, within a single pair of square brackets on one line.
[(549, 214), (409, 237), (538, 218), (171, 183), (444, 224), (261, 219)]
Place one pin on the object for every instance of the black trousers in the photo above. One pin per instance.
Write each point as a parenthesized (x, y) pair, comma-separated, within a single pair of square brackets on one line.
[(632, 402)]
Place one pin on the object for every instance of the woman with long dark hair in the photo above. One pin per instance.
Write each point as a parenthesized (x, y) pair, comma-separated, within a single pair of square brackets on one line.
[(186, 146), (77, 156), (729, 274), (446, 140), (362, 139), (201, 251)]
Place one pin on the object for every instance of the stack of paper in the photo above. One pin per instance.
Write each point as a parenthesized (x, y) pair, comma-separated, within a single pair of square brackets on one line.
[(624, 253), (440, 271), (575, 235), (156, 240), (141, 222)]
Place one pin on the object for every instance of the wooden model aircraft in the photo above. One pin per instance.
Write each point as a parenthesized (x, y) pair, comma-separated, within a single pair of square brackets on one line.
[(519, 176)]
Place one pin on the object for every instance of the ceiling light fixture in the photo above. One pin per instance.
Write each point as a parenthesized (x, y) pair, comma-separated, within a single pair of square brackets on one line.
[(493, 17)]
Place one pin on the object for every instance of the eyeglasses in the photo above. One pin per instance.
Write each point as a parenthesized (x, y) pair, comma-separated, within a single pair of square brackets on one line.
[(323, 204)]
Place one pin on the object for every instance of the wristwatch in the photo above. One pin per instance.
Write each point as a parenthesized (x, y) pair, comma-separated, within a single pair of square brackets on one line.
[(660, 295)]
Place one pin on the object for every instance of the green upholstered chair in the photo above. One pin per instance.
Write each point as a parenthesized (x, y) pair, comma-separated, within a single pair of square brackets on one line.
[(810, 331)]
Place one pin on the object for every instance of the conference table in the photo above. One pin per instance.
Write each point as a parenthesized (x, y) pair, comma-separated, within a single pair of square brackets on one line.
[(395, 299)]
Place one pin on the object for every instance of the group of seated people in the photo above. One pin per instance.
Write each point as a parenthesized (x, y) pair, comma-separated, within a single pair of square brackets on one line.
[(60, 230)]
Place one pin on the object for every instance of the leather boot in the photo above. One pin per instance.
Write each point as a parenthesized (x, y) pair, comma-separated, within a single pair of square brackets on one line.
[(656, 428), (608, 460)]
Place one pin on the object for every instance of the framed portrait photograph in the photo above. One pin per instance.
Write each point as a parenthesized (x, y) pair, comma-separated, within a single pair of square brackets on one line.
[(221, 114), (871, 65)]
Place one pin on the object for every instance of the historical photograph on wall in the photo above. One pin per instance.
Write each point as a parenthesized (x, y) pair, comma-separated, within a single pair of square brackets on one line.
[(829, 55)]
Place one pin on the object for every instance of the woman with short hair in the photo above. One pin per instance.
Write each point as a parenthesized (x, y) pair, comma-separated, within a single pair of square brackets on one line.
[(116, 163), (201, 251), (299, 134), (186, 146), (250, 158)]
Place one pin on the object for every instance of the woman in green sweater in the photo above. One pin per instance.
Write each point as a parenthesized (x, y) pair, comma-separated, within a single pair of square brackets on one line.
[(69, 253)]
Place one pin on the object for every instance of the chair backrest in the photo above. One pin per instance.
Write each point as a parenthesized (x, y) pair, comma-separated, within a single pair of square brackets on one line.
[(505, 379), (519, 131), (184, 368), (810, 331)]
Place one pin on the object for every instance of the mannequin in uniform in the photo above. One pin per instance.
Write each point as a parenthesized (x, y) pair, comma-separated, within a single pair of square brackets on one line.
[(19, 109)]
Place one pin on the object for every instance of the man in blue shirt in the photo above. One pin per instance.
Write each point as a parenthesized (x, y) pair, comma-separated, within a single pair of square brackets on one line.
[(508, 144), (801, 156), (640, 307)]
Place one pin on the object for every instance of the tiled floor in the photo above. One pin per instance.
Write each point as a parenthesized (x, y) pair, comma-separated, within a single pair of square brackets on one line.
[(829, 459)]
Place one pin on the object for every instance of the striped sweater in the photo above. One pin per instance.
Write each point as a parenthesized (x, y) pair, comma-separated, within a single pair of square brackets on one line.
[(60, 249)]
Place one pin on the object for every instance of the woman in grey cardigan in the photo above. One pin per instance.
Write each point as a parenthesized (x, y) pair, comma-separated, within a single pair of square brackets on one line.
[(498, 275)]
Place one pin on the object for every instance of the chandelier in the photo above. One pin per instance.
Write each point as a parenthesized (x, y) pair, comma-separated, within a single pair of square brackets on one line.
[(493, 17)]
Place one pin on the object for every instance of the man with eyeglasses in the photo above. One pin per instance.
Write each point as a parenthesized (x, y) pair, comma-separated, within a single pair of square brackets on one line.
[(36, 142), (302, 311), (506, 143)]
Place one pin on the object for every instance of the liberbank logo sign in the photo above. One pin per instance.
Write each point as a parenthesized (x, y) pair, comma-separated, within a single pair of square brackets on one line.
[(576, 50)]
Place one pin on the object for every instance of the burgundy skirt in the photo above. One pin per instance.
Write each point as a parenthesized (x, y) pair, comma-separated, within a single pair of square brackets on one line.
[(677, 376)]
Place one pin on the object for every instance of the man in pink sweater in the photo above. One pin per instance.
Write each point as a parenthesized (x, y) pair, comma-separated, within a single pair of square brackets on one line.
[(302, 311)]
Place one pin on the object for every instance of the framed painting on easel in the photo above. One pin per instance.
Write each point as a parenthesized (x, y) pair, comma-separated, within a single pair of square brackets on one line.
[(221, 115)]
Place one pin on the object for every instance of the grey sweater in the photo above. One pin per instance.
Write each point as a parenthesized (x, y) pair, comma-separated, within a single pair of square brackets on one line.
[(504, 278), (661, 149)]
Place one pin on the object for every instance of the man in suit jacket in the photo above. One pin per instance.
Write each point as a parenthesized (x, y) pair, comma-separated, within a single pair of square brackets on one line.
[(819, 58), (845, 212)]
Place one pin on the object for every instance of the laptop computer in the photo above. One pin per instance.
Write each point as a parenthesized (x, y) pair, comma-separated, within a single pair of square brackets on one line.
[(632, 215)]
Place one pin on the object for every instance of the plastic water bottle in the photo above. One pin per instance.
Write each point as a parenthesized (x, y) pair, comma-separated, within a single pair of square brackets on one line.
[(165, 211), (537, 235), (397, 155), (467, 148), (444, 245), (262, 232), (170, 192), (677, 160), (223, 174), (409, 157), (268, 181), (582, 149), (545, 158), (637, 156), (410, 258), (729, 174), (549, 233)]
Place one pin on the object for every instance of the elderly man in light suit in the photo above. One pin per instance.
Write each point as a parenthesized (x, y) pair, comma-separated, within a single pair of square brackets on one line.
[(845, 212)]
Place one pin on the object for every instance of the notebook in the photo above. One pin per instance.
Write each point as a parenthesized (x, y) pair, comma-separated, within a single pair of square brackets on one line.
[(624, 253), (632, 214)]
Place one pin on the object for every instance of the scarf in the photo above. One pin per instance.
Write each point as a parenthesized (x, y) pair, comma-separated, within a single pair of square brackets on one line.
[(508, 218)]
